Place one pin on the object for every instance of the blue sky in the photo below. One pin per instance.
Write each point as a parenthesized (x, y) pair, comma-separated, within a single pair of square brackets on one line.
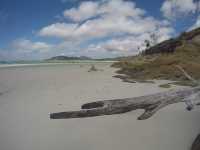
[(37, 29)]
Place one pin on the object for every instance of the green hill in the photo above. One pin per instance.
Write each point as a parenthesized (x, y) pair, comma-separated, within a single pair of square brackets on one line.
[(63, 58)]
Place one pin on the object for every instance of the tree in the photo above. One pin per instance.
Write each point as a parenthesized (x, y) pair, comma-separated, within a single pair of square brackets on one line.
[(147, 44), (153, 39)]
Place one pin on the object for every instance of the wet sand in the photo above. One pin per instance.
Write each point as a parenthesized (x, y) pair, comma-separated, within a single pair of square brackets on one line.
[(30, 93)]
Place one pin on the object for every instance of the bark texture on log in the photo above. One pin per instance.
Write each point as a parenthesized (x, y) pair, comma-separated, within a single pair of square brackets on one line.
[(150, 103), (196, 144)]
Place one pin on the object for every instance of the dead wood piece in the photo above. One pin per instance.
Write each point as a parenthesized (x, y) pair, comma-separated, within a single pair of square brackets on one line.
[(186, 74), (93, 68), (150, 103), (196, 143)]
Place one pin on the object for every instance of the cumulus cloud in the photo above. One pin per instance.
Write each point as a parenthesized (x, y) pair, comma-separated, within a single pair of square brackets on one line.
[(61, 30), (93, 20), (27, 50), (172, 9), (105, 28), (27, 46), (3, 55), (128, 45), (114, 17), (118, 27), (113, 8), (84, 11), (196, 25)]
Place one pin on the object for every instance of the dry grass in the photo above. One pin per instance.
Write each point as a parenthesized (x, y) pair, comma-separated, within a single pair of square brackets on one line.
[(162, 66)]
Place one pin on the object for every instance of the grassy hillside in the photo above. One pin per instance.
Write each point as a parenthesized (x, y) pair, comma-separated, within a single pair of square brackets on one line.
[(158, 63)]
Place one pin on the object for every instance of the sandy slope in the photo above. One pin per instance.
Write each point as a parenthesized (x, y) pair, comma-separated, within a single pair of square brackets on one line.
[(30, 93)]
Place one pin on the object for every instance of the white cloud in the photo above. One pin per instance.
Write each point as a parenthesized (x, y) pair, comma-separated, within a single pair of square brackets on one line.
[(116, 17), (128, 45), (27, 46), (24, 49), (121, 23), (3, 55), (113, 18), (112, 8), (177, 8), (62, 30), (196, 25), (84, 11)]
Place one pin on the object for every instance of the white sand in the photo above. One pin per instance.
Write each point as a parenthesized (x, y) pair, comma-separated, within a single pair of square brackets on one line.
[(32, 92)]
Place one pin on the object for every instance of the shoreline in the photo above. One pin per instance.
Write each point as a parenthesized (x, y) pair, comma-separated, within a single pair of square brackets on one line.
[(54, 63)]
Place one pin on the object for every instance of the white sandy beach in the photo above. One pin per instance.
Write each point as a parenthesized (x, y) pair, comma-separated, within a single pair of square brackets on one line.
[(30, 93)]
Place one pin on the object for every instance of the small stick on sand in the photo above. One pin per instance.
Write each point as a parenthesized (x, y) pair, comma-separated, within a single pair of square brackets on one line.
[(93, 68)]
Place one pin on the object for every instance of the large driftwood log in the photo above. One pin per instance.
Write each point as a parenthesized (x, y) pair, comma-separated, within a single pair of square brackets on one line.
[(196, 143), (150, 103)]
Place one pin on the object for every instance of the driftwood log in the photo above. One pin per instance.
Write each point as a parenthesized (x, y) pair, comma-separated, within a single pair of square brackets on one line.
[(93, 68), (196, 143), (150, 103)]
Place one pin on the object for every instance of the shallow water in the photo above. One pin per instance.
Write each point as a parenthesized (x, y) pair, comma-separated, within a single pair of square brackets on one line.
[(30, 93)]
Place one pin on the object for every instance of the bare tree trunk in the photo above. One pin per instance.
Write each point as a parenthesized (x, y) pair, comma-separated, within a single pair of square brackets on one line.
[(150, 103), (196, 144), (186, 74)]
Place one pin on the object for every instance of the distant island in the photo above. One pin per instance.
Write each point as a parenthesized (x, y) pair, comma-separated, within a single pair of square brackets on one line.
[(69, 58), (81, 58)]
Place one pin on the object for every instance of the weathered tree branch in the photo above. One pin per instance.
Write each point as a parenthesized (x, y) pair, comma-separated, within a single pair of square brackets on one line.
[(150, 103), (196, 143), (186, 74), (189, 100)]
